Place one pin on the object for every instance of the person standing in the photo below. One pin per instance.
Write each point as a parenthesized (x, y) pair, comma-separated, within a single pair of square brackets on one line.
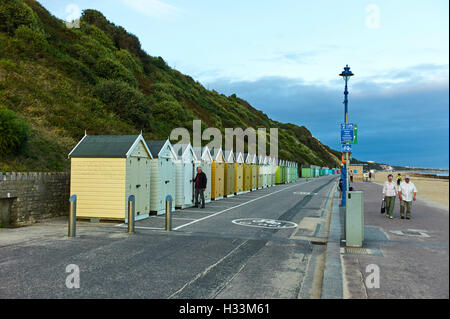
[(341, 187), (390, 191), (200, 186), (399, 179), (370, 176), (351, 175), (407, 194)]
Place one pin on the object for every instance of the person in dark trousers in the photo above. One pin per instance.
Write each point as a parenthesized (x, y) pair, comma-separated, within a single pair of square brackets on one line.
[(341, 187), (200, 186), (399, 179)]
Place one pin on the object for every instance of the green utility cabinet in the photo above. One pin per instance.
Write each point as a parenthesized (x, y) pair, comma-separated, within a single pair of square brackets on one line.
[(354, 219)]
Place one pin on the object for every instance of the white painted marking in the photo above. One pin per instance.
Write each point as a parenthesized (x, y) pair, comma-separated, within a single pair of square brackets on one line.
[(140, 227), (197, 211), (264, 223), (180, 218), (207, 270), (225, 210)]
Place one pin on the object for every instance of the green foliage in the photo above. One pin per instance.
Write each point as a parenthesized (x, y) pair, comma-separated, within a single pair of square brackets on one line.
[(129, 61), (14, 132), (126, 101), (31, 42), (15, 13), (98, 78), (98, 35), (113, 70)]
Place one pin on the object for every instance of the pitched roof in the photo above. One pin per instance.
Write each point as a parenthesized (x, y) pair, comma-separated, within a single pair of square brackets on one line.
[(202, 153), (104, 146), (181, 149), (215, 152), (155, 147)]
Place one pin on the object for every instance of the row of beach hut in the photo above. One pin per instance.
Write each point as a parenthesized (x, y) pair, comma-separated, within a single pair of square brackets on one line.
[(106, 170), (316, 171)]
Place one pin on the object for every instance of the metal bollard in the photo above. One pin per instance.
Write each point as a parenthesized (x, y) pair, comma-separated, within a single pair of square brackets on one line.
[(131, 206), (168, 213), (73, 216)]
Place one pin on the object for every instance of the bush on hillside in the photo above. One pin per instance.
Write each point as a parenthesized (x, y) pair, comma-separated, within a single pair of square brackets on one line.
[(14, 132), (129, 61), (126, 101), (15, 13), (31, 41), (113, 70)]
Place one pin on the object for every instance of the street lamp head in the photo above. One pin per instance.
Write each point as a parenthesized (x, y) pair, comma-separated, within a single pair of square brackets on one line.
[(346, 74)]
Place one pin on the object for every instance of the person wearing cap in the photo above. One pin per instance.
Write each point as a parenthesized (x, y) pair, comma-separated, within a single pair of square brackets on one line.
[(390, 191), (407, 194), (200, 181)]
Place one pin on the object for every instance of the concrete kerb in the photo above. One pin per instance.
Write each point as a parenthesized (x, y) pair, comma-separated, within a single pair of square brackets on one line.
[(332, 284)]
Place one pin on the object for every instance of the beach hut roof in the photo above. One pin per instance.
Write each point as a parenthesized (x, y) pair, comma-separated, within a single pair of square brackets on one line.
[(182, 150), (108, 146), (156, 147), (203, 153), (239, 158), (248, 158), (228, 156), (216, 152)]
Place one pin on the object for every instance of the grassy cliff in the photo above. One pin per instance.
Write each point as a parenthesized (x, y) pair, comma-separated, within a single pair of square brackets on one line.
[(57, 82)]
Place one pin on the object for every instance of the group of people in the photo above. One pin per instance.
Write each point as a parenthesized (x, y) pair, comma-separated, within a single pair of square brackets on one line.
[(406, 192)]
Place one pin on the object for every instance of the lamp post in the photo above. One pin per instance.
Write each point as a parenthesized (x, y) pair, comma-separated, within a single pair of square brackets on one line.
[(346, 74)]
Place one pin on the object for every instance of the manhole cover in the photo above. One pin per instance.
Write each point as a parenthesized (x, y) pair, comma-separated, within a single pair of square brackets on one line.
[(264, 223)]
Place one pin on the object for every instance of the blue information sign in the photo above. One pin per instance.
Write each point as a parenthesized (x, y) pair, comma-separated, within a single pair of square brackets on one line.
[(347, 131), (346, 148)]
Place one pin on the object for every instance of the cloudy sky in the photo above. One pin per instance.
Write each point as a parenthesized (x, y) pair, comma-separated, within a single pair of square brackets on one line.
[(284, 57)]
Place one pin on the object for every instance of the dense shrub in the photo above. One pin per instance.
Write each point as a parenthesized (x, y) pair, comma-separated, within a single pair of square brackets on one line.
[(33, 42), (14, 132), (14, 13), (113, 70), (129, 61), (98, 35), (126, 101)]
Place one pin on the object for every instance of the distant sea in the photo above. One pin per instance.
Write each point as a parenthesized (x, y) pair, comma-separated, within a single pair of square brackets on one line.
[(435, 173)]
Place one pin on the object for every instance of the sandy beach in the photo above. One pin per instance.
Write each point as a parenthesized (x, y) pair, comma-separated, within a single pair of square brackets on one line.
[(428, 188)]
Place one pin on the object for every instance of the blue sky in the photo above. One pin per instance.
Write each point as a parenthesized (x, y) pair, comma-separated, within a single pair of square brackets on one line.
[(284, 57)]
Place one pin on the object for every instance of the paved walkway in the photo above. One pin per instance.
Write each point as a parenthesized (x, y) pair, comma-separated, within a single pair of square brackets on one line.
[(412, 255)]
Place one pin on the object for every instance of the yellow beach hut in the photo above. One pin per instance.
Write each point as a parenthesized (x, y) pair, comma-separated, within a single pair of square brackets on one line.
[(254, 177), (247, 172), (217, 174), (105, 171), (239, 174), (229, 173)]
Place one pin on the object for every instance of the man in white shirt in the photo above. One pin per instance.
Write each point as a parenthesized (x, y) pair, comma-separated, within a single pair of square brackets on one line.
[(407, 194), (389, 193)]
